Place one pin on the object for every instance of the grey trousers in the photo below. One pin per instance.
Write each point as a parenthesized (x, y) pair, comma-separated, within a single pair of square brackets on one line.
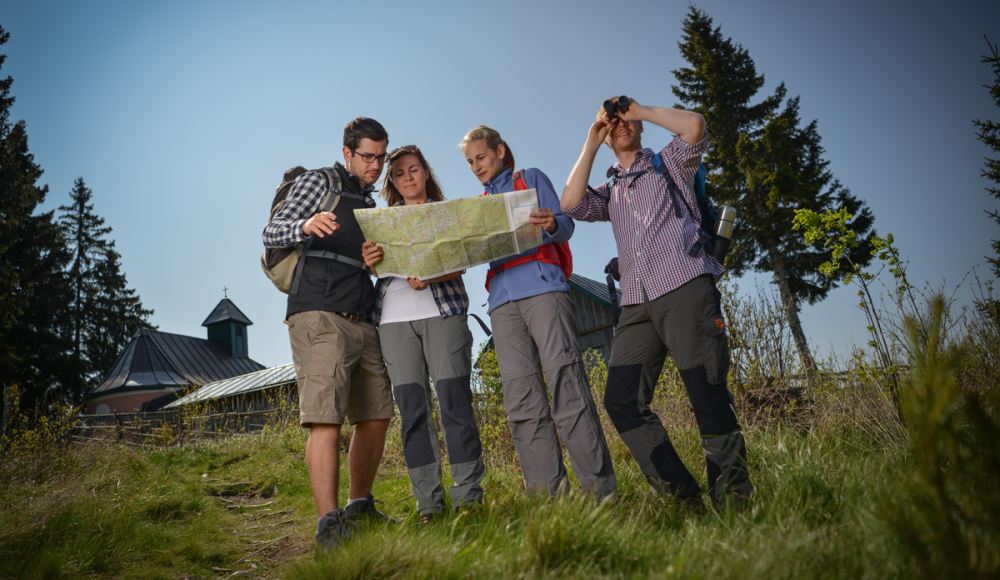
[(688, 322), (529, 335), (442, 348)]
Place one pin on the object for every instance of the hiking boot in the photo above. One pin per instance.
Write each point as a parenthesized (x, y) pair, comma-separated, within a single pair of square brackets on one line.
[(427, 518), (732, 502), (365, 510), (332, 531)]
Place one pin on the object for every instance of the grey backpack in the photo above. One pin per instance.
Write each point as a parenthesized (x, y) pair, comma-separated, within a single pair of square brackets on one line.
[(283, 266)]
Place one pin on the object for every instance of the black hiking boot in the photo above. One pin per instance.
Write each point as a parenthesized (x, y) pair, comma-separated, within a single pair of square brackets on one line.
[(332, 531), (365, 510)]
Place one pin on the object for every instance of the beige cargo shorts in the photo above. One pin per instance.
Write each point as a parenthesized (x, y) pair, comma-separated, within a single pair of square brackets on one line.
[(339, 368)]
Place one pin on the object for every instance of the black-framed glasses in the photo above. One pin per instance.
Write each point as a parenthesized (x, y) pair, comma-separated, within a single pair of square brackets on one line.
[(370, 157), (612, 107), (401, 150)]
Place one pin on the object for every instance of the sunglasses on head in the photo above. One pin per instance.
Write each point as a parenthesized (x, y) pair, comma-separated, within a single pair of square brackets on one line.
[(402, 150)]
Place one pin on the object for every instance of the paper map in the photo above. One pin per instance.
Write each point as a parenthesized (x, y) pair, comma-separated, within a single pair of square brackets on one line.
[(433, 239)]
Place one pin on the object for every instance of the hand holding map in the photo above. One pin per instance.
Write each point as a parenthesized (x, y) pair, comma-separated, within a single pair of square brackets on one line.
[(434, 239)]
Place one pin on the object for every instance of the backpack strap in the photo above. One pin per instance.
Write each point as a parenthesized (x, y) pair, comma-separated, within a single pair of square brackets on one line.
[(330, 202)]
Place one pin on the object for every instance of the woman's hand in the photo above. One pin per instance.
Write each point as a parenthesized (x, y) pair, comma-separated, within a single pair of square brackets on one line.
[(417, 283), (372, 254), (545, 218)]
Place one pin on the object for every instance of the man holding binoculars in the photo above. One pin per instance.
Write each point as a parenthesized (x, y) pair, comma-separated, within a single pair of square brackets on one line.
[(669, 298)]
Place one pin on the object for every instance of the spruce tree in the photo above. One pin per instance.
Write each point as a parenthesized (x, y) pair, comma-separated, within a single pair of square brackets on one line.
[(104, 312), (33, 291), (115, 313), (85, 232), (989, 134), (764, 163)]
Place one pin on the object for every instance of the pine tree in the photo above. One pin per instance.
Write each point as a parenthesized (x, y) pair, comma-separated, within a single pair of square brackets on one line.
[(765, 164), (989, 134), (85, 233), (115, 313), (104, 312), (33, 292)]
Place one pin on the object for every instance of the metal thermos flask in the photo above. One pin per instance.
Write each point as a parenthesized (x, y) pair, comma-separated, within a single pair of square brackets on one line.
[(723, 231)]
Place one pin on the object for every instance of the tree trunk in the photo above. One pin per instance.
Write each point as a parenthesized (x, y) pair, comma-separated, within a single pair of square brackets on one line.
[(791, 311)]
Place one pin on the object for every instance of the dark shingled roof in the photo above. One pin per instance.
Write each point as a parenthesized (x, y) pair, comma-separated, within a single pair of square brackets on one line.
[(155, 358), (226, 310), (596, 291)]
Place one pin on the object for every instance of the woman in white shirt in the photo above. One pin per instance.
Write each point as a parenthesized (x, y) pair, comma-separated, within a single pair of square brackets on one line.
[(422, 325)]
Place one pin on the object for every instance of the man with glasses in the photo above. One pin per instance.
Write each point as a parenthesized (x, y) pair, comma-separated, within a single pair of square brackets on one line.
[(335, 348)]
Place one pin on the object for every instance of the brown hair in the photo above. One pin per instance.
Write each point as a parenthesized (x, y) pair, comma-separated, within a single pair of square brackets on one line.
[(493, 141), (362, 128), (390, 194)]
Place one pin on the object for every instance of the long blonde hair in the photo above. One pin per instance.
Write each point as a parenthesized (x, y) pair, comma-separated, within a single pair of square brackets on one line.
[(493, 141)]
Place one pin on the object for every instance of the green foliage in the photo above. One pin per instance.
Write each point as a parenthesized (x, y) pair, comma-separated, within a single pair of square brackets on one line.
[(762, 161), (949, 517), (989, 134), (33, 255), (830, 229), (104, 312)]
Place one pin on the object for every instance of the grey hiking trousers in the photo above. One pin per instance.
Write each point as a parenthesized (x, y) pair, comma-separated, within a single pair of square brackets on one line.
[(688, 322), (441, 347), (529, 335)]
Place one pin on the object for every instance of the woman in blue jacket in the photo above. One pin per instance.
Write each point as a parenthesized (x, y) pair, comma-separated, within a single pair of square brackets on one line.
[(534, 329)]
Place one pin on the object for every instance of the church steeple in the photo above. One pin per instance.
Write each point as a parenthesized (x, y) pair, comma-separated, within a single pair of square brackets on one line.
[(226, 324)]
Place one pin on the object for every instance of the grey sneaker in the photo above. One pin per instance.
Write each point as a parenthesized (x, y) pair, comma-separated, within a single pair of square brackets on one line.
[(366, 510), (332, 530)]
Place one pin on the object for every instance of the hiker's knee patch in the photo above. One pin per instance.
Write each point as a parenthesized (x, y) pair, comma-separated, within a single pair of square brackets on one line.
[(621, 397)]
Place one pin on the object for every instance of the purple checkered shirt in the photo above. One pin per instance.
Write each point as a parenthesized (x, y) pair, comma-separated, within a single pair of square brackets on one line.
[(652, 233)]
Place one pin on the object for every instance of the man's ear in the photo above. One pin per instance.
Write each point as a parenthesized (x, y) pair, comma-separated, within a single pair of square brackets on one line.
[(347, 154)]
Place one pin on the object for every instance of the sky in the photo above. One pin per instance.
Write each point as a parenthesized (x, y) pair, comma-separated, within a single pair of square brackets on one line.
[(182, 116)]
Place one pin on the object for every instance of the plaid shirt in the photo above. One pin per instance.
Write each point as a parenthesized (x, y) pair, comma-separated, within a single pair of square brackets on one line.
[(652, 232), (303, 201), (450, 295)]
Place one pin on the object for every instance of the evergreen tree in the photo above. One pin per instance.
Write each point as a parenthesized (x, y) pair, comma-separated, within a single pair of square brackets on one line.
[(115, 314), (104, 312), (32, 262), (765, 164), (989, 134), (85, 233)]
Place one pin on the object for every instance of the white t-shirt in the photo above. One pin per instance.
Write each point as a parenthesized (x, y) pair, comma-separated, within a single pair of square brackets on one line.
[(404, 304)]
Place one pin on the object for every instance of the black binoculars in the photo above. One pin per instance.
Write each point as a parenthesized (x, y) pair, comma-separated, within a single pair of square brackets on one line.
[(613, 108)]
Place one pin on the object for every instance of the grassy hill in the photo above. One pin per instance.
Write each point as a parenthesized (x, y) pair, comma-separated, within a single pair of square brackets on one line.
[(843, 490)]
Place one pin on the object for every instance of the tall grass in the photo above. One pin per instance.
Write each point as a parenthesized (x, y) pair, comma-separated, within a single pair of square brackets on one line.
[(843, 489)]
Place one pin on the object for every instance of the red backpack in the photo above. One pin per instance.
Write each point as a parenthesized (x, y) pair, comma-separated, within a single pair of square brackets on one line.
[(558, 254)]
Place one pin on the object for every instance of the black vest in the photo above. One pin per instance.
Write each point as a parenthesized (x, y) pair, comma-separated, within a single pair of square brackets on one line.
[(331, 285)]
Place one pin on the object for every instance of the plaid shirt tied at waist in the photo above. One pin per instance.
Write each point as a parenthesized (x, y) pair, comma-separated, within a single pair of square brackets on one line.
[(653, 234)]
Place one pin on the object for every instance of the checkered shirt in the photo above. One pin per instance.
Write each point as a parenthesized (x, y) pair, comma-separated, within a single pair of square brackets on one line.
[(652, 232), (303, 201), (450, 295)]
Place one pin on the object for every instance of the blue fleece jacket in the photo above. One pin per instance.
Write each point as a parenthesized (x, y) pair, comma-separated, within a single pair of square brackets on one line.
[(535, 277)]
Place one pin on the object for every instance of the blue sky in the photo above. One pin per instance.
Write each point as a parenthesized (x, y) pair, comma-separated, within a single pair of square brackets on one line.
[(182, 116)]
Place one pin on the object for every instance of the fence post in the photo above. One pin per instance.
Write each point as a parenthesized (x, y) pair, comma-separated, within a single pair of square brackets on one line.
[(120, 429)]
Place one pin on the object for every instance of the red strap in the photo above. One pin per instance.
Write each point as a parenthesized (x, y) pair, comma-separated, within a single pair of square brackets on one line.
[(546, 252), (519, 184)]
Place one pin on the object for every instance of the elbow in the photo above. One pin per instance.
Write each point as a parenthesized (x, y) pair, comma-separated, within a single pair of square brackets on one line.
[(697, 127)]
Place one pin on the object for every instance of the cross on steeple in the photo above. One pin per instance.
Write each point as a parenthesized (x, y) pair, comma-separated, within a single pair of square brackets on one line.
[(225, 293)]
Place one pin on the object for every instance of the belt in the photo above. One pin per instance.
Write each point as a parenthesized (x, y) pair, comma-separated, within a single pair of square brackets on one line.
[(351, 317)]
